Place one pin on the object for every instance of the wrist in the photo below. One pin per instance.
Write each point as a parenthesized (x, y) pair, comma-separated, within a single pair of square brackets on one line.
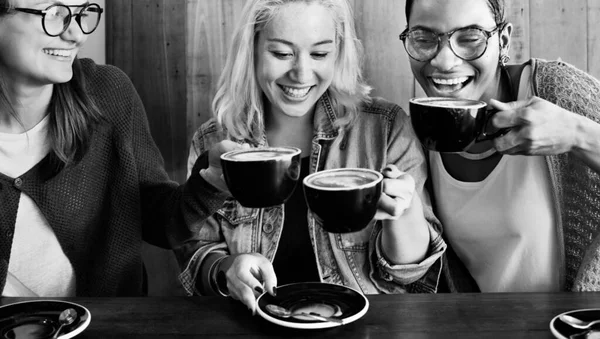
[(214, 178)]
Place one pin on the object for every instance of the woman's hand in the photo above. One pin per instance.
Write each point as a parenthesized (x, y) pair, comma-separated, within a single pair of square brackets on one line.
[(398, 190), (214, 173), (405, 234), (248, 276), (538, 127)]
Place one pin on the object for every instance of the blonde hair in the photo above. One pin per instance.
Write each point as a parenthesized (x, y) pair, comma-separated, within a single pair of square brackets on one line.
[(238, 103)]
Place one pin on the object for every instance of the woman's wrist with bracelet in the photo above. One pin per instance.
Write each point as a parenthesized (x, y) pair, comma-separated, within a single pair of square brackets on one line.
[(217, 279)]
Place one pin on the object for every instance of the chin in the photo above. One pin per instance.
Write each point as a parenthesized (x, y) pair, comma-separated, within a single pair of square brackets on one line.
[(61, 78)]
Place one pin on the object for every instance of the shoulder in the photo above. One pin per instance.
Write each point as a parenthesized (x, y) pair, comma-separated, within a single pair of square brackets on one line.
[(383, 110), (557, 73), (112, 91), (104, 78), (566, 86), (208, 134), (382, 107)]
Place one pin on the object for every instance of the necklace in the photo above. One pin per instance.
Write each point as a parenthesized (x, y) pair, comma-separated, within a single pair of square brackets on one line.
[(478, 156)]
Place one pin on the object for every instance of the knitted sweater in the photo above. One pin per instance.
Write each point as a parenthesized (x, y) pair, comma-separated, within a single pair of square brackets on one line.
[(575, 187), (104, 205)]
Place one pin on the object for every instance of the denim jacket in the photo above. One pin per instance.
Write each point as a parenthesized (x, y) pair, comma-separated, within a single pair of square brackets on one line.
[(381, 135)]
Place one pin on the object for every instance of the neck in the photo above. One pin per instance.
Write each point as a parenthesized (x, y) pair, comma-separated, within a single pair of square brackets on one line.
[(501, 89), (284, 130), (30, 106)]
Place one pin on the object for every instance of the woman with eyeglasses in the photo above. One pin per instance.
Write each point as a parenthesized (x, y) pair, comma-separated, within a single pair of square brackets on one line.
[(520, 213), (82, 183), (293, 78)]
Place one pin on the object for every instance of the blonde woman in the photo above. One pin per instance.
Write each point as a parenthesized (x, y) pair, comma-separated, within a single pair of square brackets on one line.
[(293, 78)]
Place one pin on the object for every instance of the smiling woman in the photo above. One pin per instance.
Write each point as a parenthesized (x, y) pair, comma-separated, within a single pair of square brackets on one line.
[(81, 180), (520, 212), (293, 78)]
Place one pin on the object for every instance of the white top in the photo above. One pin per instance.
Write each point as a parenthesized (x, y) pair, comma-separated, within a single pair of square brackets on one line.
[(37, 263), (502, 228)]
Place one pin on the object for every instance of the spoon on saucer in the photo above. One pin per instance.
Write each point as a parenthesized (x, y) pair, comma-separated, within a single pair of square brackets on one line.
[(285, 313), (577, 323), (66, 318)]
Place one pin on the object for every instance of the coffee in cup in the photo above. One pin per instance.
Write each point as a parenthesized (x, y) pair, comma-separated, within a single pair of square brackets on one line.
[(451, 124), (261, 177), (343, 200)]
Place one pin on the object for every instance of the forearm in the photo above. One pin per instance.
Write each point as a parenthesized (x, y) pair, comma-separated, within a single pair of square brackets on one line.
[(587, 146), (406, 239)]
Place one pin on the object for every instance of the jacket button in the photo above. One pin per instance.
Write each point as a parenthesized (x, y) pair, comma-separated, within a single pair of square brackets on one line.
[(8, 233), (18, 182), (268, 228)]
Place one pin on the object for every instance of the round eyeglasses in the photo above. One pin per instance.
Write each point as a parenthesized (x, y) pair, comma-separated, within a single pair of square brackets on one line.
[(57, 18), (467, 43)]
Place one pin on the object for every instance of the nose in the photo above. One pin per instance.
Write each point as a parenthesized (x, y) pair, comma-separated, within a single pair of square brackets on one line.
[(445, 59), (74, 32), (302, 69)]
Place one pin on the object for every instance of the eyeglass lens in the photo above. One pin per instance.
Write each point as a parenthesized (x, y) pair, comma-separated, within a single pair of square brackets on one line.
[(466, 43), (58, 19)]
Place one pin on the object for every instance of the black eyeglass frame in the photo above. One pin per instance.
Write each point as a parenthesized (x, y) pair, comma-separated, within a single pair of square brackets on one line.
[(77, 16), (439, 36)]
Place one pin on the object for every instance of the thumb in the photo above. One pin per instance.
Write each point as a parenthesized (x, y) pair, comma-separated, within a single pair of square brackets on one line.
[(506, 114), (506, 106), (268, 277), (391, 171)]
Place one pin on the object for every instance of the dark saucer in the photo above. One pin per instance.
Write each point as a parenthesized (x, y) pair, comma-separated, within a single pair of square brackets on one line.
[(328, 300), (39, 319)]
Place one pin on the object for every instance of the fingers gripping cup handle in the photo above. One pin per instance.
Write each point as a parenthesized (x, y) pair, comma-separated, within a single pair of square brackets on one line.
[(484, 135)]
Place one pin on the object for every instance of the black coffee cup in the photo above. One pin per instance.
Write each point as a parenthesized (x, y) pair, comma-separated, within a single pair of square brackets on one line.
[(343, 200), (261, 177), (451, 124)]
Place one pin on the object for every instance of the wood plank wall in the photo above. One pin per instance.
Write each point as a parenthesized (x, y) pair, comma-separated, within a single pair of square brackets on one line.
[(174, 50)]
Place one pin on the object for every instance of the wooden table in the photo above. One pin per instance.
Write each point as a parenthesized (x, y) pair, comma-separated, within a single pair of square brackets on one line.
[(511, 315)]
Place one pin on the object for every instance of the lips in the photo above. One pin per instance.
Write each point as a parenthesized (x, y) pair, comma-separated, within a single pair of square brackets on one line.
[(65, 53), (448, 85), (296, 92)]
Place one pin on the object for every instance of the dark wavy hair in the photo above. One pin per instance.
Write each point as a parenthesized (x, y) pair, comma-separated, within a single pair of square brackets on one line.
[(72, 112), (496, 6)]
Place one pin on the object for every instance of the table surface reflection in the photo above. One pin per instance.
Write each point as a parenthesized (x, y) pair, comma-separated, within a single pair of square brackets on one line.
[(506, 315)]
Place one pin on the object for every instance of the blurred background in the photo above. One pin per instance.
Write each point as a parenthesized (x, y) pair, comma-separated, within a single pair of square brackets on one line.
[(174, 50)]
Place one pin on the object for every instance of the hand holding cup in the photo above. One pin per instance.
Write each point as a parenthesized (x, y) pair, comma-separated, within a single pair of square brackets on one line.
[(398, 190), (214, 173)]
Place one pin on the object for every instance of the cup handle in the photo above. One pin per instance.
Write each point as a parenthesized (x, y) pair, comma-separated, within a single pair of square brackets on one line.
[(484, 136)]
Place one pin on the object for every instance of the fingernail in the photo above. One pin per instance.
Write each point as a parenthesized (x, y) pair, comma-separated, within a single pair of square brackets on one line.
[(274, 291), (259, 289)]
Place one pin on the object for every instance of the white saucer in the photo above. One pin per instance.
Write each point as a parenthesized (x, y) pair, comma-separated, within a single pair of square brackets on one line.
[(39, 319), (328, 300)]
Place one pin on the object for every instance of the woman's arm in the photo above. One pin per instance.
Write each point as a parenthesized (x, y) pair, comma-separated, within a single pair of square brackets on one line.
[(407, 248)]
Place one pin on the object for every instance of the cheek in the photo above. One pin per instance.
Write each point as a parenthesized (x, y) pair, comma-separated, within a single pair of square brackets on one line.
[(269, 71), (326, 71), (417, 69)]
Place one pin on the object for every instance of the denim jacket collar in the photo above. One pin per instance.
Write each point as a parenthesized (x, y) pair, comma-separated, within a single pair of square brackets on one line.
[(324, 119)]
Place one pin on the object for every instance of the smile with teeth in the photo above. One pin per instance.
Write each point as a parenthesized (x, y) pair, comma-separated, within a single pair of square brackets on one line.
[(58, 52), (454, 81), (295, 92)]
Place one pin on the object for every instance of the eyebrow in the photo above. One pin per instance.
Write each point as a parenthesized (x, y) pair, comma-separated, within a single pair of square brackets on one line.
[(323, 42), (436, 31)]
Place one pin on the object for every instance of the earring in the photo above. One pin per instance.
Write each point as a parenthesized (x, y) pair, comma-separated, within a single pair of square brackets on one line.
[(504, 58)]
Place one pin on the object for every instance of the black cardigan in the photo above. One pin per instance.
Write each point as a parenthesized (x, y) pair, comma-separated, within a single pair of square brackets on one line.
[(116, 195)]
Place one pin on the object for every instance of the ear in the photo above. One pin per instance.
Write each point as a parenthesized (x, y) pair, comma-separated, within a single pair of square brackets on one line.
[(505, 36)]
